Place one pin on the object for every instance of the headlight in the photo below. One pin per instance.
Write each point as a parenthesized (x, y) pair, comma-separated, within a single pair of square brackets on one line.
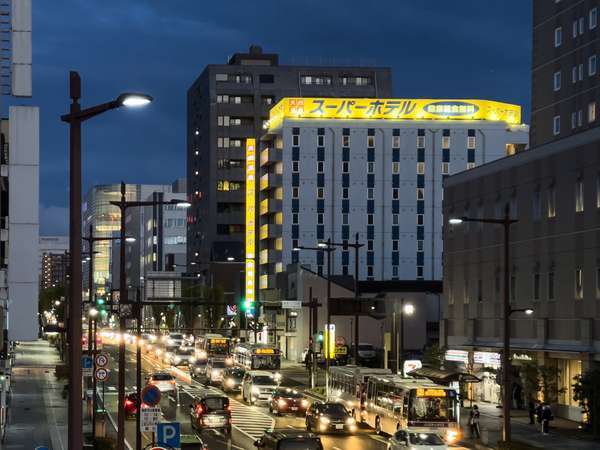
[(324, 420), (177, 360), (202, 354), (192, 360), (230, 382), (229, 361), (304, 403), (197, 369), (255, 390), (216, 372), (277, 376), (170, 342), (281, 403), (452, 436), (350, 421)]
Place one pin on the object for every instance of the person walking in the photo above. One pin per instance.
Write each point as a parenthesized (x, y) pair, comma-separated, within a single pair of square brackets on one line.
[(474, 422), (546, 418), (531, 410)]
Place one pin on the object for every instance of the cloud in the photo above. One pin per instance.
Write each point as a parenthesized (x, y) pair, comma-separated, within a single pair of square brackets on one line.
[(54, 221)]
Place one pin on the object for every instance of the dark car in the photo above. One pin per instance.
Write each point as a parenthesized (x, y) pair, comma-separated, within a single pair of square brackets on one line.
[(288, 401), (232, 379), (286, 439), (329, 417), (131, 405), (198, 368), (210, 410)]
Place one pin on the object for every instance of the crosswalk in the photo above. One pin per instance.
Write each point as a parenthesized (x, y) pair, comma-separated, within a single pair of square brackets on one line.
[(247, 419)]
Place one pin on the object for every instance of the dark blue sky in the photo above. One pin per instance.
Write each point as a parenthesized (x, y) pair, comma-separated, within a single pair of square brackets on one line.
[(436, 48)]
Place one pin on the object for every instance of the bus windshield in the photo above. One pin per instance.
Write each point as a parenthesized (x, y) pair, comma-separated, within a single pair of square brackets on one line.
[(440, 407), (266, 362), (218, 346)]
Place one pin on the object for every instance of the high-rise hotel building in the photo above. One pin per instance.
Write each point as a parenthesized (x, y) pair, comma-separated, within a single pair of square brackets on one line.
[(334, 167)]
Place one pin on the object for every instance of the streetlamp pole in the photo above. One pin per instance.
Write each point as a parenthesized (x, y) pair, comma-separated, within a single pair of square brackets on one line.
[(400, 357), (122, 325), (328, 343), (356, 246), (90, 287), (506, 374)]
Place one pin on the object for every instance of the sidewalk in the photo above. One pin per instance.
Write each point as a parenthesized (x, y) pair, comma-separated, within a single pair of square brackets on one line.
[(491, 429), (37, 415)]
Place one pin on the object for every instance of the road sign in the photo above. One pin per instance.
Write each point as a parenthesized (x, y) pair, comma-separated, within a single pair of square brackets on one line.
[(168, 433), (291, 304), (149, 418), (151, 395), (102, 374), (102, 360), (87, 366)]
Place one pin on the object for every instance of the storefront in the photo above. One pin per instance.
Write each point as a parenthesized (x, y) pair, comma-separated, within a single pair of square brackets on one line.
[(484, 365)]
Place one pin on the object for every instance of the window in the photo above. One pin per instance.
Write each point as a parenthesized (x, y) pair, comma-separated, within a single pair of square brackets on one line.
[(370, 218), (345, 141), (579, 283), (445, 168), (345, 193), (471, 142), (294, 192), (581, 25), (470, 165), (573, 120), (580, 71), (574, 31), (395, 245), (395, 141), (579, 118), (593, 18), (420, 141), (226, 185), (320, 219), (370, 193), (370, 245), (579, 196), (591, 111), (557, 79), (370, 141), (395, 167), (420, 194), (320, 166), (550, 285), (315, 80), (420, 245), (536, 286), (394, 271), (370, 167), (592, 65), (551, 212), (420, 168), (344, 219), (345, 167), (556, 125), (266, 78), (395, 219), (419, 272), (395, 193), (557, 36), (369, 271), (320, 192), (598, 191), (223, 121), (320, 141), (419, 219), (295, 140), (221, 77), (445, 141), (295, 165), (574, 74), (356, 81), (295, 218)]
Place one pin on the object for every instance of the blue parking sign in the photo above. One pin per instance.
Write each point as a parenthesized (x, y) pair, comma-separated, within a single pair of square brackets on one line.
[(87, 362), (168, 433)]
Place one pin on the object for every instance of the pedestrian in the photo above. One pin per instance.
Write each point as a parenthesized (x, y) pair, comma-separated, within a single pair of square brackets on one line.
[(538, 413), (531, 409), (474, 422), (546, 418), (308, 360)]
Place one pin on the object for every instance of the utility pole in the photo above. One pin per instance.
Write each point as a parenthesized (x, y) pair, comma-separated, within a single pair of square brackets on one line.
[(313, 306)]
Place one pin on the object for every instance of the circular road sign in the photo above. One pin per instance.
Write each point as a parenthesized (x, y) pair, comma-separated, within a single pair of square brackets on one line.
[(102, 360), (151, 395), (102, 374)]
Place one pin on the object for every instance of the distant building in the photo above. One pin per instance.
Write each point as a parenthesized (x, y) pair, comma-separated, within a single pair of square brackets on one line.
[(52, 245), (230, 103), (55, 268)]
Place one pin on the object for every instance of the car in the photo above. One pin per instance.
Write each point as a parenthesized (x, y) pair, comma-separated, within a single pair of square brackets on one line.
[(164, 381), (366, 353), (285, 439), (183, 356), (197, 368), (175, 340), (258, 386), (131, 405), (325, 417), (214, 370), (287, 400), (210, 409), (232, 379), (406, 439)]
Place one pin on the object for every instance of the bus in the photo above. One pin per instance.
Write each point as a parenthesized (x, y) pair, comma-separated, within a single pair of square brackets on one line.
[(211, 345), (348, 385), (257, 356), (394, 402)]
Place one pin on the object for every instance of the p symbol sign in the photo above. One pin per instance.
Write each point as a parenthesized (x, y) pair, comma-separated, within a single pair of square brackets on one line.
[(169, 433)]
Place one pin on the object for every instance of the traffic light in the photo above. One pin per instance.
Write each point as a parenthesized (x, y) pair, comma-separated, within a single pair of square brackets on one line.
[(243, 305), (100, 301), (320, 336)]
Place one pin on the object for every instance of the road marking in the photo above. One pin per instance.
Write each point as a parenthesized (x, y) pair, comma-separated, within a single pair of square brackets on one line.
[(335, 448), (378, 438)]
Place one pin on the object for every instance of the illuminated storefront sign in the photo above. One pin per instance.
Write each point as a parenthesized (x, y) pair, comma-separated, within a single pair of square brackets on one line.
[(489, 359), (457, 355), (393, 109), (250, 223)]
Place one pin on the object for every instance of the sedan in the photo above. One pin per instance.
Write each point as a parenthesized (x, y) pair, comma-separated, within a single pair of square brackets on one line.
[(405, 440), (329, 417), (165, 382), (288, 401)]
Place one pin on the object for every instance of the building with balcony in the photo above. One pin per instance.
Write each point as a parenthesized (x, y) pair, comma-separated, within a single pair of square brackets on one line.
[(228, 104)]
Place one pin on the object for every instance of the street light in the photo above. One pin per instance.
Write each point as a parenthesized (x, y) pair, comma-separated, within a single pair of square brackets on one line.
[(93, 312), (405, 309), (75, 118), (506, 222), (123, 204)]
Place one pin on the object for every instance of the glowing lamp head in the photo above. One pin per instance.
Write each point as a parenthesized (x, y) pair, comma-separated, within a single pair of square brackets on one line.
[(408, 309), (134, 100), (455, 221), (528, 311), (183, 205), (130, 239)]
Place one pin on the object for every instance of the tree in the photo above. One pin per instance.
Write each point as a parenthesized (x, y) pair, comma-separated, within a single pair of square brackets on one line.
[(46, 300), (433, 356), (549, 383), (530, 380), (587, 392)]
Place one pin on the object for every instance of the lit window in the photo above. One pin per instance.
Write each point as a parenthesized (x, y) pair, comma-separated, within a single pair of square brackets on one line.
[(370, 141), (370, 167), (579, 196), (574, 31), (580, 71), (557, 36), (574, 74), (445, 141), (557, 79), (551, 211), (592, 65), (445, 168), (556, 125), (420, 168), (395, 141), (573, 120), (471, 143), (395, 167), (578, 283), (591, 111), (221, 77), (470, 165), (420, 141)]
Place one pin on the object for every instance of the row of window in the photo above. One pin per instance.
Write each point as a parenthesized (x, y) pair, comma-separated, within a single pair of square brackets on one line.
[(320, 80), (578, 27), (576, 118), (577, 73), (239, 99), (226, 185), (174, 240), (174, 223), (445, 167)]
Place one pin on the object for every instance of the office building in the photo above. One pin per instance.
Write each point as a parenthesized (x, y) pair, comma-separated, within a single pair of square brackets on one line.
[(565, 69), (332, 168), (230, 103), (55, 268)]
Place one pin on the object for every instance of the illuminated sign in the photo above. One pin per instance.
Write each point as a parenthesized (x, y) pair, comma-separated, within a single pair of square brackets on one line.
[(411, 364), (265, 351), (421, 392), (329, 340), (250, 223), (393, 109), (218, 341), (457, 355), (487, 358)]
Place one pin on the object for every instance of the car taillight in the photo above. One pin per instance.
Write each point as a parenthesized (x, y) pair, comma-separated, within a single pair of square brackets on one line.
[(229, 408), (198, 409), (128, 403), (172, 381)]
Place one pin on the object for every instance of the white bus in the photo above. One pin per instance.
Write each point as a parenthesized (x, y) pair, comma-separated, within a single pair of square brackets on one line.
[(395, 403), (348, 385), (212, 345), (257, 356)]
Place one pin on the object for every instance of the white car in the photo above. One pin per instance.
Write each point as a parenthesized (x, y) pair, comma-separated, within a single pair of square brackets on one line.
[(165, 382), (258, 386), (214, 370), (415, 440)]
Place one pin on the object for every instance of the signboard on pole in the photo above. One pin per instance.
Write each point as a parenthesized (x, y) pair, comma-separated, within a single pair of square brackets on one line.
[(150, 395), (149, 418), (102, 360), (329, 340), (168, 433), (101, 374), (291, 304), (87, 366)]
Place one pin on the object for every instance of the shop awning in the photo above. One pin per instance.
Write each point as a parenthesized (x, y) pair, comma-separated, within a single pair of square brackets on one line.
[(443, 376)]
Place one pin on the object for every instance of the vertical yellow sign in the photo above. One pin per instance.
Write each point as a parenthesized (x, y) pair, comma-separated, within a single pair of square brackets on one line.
[(250, 222)]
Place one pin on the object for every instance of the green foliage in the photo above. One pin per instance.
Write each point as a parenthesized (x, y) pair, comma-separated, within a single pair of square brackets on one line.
[(549, 383), (433, 356), (587, 392), (530, 380)]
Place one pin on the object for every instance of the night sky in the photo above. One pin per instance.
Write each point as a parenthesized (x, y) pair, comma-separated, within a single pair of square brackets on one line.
[(436, 48)]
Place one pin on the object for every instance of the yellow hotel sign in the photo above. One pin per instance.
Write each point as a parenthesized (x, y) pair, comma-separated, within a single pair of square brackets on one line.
[(250, 221), (393, 109)]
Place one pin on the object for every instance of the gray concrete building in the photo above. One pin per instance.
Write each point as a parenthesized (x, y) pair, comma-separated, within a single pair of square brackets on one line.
[(229, 103)]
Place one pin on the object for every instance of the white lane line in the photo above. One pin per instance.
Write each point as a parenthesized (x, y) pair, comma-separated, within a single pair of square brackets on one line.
[(335, 448), (377, 438)]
